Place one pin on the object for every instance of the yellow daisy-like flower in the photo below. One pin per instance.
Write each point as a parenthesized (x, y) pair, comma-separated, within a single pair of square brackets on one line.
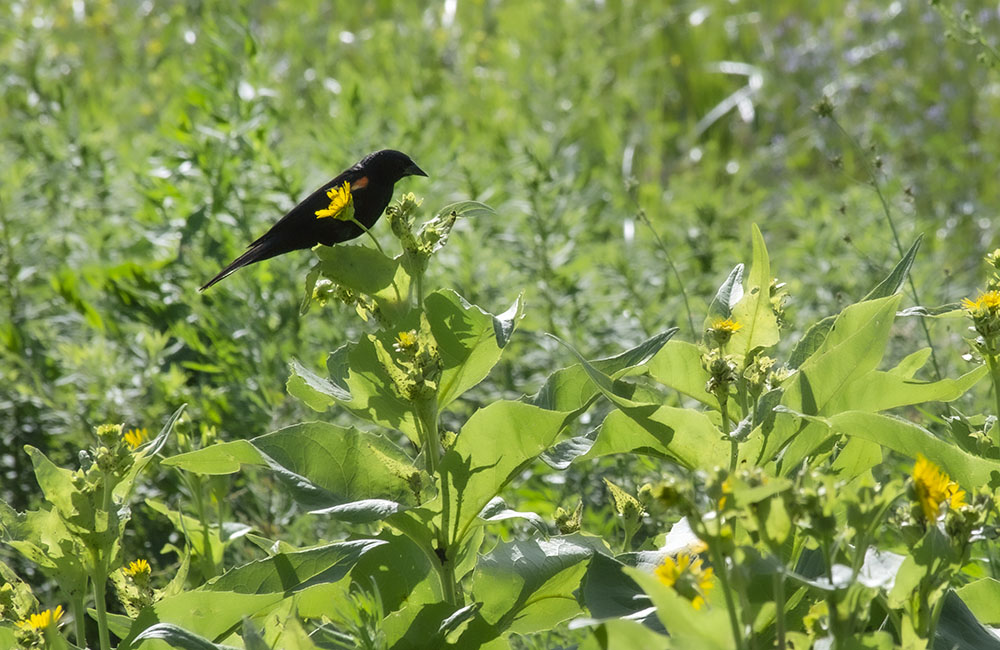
[(722, 329), (989, 301), (135, 437), (933, 487), (341, 203), (684, 573), (43, 620), (405, 340), (137, 569), (727, 325)]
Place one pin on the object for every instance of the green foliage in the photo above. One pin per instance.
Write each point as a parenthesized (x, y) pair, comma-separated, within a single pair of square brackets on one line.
[(809, 467)]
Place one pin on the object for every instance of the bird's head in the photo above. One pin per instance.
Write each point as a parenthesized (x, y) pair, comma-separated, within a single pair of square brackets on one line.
[(390, 165)]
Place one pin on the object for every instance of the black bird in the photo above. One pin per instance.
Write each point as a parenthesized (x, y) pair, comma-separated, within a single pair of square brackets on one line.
[(371, 180)]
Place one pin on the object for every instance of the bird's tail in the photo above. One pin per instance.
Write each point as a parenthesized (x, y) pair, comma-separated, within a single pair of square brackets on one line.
[(258, 251)]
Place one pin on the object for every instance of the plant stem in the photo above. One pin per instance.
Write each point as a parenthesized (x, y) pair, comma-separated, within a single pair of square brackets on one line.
[(76, 604), (723, 572), (100, 580), (734, 449), (779, 603), (369, 233), (991, 363)]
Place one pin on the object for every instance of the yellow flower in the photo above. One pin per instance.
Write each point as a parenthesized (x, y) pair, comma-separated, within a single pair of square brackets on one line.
[(726, 325), (135, 437), (722, 329), (341, 203), (933, 487), (405, 340), (989, 301), (137, 569), (39, 622), (686, 576)]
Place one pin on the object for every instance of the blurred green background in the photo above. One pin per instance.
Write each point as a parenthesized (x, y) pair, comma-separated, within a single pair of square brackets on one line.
[(143, 144)]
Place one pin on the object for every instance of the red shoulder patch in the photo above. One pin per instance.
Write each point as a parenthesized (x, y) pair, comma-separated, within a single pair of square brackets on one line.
[(359, 184)]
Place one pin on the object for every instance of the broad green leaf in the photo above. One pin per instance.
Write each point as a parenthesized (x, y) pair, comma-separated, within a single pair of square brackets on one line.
[(854, 347), (982, 597), (287, 573), (218, 608), (425, 626), (212, 615), (753, 311), (356, 370), (678, 365), (318, 393), (572, 390), (178, 637), (561, 455), (494, 446), (621, 633), (608, 593), (683, 435), (57, 485), (811, 341), (322, 464), (527, 586), (366, 270), (910, 440), (958, 629), (707, 628), (401, 571), (470, 340), (220, 458), (881, 391)]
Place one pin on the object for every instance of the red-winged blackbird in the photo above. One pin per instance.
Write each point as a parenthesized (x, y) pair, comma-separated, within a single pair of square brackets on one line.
[(372, 181)]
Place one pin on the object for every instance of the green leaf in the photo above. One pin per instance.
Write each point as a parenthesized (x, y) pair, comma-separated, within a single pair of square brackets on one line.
[(287, 573), (527, 586), (728, 295), (212, 615), (366, 270), (401, 571), (753, 311), (958, 629), (609, 593), (815, 335), (623, 633), (894, 281), (707, 628), (322, 464), (909, 439), (468, 209), (470, 340), (854, 347), (881, 391), (684, 435), (318, 393), (56, 484), (572, 390), (494, 446), (678, 365), (982, 597), (178, 637)]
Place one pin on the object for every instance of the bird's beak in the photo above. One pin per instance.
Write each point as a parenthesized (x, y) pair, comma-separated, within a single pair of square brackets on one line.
[(413, 170)]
